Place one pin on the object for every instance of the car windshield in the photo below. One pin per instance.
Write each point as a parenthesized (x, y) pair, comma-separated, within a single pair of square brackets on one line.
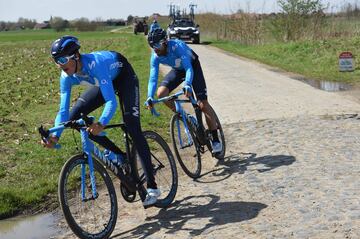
[(183, 23)]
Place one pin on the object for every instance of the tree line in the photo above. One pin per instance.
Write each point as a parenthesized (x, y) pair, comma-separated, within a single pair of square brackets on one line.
[(60, 24), (297, 20)]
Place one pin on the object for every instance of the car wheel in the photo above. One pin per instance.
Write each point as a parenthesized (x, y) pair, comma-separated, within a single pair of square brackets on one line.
[(196, 40)]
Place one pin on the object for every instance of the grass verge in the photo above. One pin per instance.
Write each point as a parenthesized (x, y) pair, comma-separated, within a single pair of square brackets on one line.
[(312, 59)]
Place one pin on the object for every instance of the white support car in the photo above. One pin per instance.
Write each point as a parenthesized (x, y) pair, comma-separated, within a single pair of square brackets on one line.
[(184, 29)]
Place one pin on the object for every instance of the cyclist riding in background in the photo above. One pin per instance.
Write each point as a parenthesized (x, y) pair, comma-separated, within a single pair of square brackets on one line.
[(154, 25), (186, 68), (107, 73)]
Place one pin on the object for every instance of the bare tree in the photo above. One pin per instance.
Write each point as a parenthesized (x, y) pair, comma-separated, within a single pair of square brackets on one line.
[(25, 23), (58, 24)]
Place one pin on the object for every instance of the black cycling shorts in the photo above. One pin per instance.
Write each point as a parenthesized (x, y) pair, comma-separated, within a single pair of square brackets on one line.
[(175, 77)]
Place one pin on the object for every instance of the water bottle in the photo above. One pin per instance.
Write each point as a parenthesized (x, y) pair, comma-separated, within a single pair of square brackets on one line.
[(116, 159), (192, 120)]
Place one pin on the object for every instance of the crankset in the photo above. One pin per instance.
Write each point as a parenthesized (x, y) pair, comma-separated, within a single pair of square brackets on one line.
[(127, 195)]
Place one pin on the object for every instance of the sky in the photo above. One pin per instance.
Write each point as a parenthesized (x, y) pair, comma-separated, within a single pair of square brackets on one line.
[(40, 10)]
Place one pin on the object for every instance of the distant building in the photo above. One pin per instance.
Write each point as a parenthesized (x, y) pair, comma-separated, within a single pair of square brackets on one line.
[(44, 25)]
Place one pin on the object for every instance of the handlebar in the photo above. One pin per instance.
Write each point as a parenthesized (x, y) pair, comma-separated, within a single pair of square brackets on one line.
[(85, 121), (174, 96)]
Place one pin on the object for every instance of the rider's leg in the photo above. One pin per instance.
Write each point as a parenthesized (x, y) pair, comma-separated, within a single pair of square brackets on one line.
[(163, 91), (89, 101), (200, 90), (210, 120), (172, 80), (209, 114), (127, 86)]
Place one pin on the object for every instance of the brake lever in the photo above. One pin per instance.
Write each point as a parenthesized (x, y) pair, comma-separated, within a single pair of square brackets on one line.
[(88, 121), (44, 133)]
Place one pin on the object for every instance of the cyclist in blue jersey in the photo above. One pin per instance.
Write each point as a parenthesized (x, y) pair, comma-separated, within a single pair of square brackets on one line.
[(154, 25), (186, 69), (107, 73)]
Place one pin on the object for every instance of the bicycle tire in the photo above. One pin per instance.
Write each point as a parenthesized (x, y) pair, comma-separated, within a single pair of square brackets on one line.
[(106, 190), (165, 171), (189, 161)]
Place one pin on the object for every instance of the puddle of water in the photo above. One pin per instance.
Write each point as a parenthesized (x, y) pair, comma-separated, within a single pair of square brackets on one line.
[(31, 227), (318, 84), (325, 85)]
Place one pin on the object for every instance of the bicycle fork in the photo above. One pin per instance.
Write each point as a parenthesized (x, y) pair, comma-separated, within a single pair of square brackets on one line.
[(186, 126), (88, 157)]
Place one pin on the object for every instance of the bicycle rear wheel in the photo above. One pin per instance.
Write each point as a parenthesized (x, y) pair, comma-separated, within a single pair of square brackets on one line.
[(185, 146), (164, 168), (91, 218)]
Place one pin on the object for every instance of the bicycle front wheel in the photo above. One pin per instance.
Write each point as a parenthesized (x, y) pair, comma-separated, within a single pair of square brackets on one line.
[(88, 217), (185, 146), (164, 168)]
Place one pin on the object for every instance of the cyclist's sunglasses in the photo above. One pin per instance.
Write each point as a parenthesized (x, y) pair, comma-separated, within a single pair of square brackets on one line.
[(157, 46), (63, 60)]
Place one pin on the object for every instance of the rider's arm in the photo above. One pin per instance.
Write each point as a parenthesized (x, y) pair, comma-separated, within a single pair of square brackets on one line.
[(154, 74), (108, 93), (65, 93)]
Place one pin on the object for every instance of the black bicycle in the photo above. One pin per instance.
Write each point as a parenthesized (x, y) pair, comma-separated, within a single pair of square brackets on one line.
[(86, 191), (189, 135)]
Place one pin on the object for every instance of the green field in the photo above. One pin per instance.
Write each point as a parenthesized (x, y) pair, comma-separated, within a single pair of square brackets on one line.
[(29, 94)]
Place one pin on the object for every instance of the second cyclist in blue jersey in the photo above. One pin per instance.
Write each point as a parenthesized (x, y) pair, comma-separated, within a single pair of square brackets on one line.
[(186, 69), (154, 25), (107, 73)]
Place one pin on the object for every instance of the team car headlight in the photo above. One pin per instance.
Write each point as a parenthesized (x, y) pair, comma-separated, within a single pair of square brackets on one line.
[(196, 32), (172, 32)]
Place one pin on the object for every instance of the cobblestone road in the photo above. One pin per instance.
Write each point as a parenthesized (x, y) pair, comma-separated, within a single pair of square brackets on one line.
[(284, 178)]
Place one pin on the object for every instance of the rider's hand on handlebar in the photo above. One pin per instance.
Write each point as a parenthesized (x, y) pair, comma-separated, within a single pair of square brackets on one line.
[(50, 142), (148, 103), (187, 90), (95, 128)]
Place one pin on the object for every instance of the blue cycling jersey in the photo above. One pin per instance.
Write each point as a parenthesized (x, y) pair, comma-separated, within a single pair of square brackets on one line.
[(154, 26), (99, 69), (179, 56)]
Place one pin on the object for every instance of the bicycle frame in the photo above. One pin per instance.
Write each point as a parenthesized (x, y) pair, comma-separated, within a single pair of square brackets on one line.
[(89, 149), (179, 109), (90, 167)]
